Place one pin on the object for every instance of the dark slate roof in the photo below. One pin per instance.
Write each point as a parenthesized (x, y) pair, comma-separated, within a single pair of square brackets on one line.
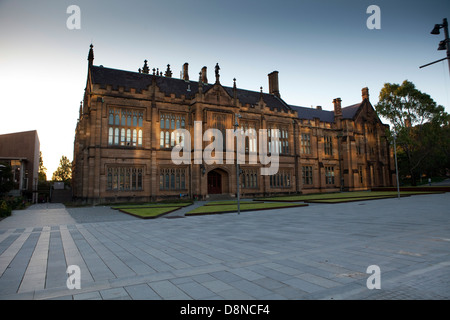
[(311, 113), (350, 111), (140, 81)]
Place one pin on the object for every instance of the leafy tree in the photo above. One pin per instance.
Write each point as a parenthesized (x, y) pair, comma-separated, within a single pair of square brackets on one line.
[(64, 171), (417, 121), (42, 175), (6, 178)]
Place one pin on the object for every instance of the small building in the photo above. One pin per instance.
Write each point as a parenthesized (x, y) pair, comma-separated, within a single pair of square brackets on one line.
[(21, 151)]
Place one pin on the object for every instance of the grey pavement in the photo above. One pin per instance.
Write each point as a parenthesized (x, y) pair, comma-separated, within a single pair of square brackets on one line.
[(321, 251)]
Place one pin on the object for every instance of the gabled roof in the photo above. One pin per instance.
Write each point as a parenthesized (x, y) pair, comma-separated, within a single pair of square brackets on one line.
[(311, 113), (141, 81), (350, 111)]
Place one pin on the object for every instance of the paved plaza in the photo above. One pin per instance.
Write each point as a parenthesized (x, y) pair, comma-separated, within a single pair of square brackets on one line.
[(321, 251)]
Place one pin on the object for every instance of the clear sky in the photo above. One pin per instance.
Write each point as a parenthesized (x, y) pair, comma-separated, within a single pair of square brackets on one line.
[(321, 48)]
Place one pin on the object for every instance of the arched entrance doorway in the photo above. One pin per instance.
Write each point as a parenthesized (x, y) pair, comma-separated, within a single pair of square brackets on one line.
[(214, 182)]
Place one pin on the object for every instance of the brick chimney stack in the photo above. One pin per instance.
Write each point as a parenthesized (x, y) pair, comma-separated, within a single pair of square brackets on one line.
[(185, 71), (365, 93), (337, 107), (273, 84), (204, 75)]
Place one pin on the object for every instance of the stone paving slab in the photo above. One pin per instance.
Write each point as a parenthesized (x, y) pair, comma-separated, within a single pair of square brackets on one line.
[(317, 252)]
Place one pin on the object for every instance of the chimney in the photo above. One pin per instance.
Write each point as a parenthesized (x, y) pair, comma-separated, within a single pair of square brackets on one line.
[(185, 72), (319, 107), (204, 77), (337, 107), (273, 84), (365, 93)]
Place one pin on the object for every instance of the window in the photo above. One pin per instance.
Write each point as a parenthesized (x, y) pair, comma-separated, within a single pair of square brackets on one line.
[(125, 127), (329, 175), (249, 132), (305, 143), (172, 179), (168, 123), (307, 175), (278, 139), (249, 179), (282, 179), (328, 145), (360, 171), (124, 178)]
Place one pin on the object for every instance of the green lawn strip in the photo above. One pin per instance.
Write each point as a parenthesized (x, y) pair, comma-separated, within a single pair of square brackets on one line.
[(344, 195), (211, 209), (150, 205), (149, 213), (349, 199), (225, 202)]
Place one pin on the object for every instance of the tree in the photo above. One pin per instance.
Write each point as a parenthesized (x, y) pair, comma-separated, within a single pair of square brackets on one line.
[(6, 178), (64, 171), (416, 120), (42, 175)]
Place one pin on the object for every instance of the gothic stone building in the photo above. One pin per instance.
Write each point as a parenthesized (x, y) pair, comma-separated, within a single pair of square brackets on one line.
[(126, 131)]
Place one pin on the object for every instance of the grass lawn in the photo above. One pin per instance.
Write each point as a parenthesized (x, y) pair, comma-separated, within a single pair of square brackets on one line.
[(151, 205), (149, 212), (245, 206), (348, 199), (343, 195)]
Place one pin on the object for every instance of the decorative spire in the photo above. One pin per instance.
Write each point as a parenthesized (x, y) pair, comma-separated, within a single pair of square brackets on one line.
[(217, 68), (168, 72), (91, 56), (145, 67)]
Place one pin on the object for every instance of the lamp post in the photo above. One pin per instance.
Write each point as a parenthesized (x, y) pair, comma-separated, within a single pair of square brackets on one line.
[(444, 44), (238, 170), (396, 165)]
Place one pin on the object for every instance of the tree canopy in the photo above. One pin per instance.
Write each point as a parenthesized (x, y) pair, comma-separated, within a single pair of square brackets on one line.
[(419, 125), (64, 171)]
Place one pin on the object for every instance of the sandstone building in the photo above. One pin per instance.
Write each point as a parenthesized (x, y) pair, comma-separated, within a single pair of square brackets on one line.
[(126, 131)]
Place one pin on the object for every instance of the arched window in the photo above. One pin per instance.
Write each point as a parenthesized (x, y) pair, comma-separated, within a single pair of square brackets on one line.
[(140, 137), (134, 137), (110, 135), (183, 181), (161, 181), (128, 137), (161, 139), (111, 117), (122, 137), (116, 136), (167, 139), (172, 139), (172, 181)]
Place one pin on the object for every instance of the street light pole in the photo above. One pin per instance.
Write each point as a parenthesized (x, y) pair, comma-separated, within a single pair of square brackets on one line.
[(444, 44), (238, 170)]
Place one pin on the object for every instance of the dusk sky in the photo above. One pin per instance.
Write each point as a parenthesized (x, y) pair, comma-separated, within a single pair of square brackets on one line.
[(322, 49)]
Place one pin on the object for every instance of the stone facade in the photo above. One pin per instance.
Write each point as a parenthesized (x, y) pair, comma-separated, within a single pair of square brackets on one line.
[(126, 131)]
